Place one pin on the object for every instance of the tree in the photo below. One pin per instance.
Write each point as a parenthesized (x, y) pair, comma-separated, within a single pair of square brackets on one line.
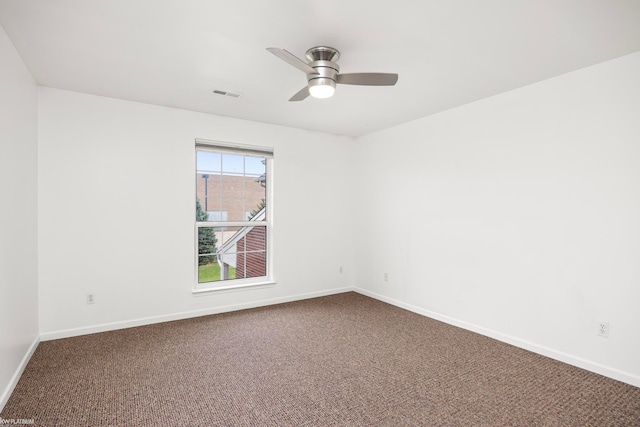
[(261, 205), (206, 237)]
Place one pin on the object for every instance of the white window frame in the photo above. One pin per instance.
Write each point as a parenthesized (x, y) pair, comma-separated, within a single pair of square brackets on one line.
[(239, 149)]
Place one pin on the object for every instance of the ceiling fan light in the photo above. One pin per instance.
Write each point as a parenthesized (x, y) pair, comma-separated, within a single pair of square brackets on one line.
[(322, 88), (322, 91)]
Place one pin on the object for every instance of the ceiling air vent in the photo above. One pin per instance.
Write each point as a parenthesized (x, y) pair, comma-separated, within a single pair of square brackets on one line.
[(226, 93)]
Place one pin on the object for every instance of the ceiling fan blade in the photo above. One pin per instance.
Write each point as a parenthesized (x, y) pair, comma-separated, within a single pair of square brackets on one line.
[(302, 94), (368, 79), (289, 57)]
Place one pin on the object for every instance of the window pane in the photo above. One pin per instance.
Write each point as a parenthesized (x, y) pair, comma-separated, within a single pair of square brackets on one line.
[(232, 164), (217, 216), (251, 258), (234, 207), (231, 186), (209, 266), (226, 234), (207, 259), (208, 162), (207, 193), (255, 194), (241, 195), (213, 272), (255, 166), (227, 253)]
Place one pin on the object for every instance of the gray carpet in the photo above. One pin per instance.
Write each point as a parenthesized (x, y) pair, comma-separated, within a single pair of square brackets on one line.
[(342, 360)]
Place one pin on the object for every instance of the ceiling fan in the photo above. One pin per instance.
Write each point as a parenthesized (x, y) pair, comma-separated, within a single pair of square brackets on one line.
[(323, 73)]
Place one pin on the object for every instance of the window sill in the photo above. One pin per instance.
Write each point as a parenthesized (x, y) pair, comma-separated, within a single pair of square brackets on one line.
[(239, 286)]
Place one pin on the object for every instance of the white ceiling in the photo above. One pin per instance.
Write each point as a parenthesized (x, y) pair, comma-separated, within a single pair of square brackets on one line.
[(446, 52)]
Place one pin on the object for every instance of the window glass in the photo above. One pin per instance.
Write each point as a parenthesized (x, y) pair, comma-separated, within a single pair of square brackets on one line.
[(231, 221)]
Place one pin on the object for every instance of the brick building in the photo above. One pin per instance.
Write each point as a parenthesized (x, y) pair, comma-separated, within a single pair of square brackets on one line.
[(229, 197), (245, 251)]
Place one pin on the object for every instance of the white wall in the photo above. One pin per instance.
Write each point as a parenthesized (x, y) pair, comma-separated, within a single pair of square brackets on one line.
[(516, 216), (116, 212), (18, 220)]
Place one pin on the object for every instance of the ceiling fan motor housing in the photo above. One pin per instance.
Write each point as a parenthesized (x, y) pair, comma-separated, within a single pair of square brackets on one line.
[(322, 60), (327, 73), (323, 53)]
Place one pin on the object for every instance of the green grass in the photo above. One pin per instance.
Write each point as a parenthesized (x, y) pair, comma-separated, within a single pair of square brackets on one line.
[(211, 272)]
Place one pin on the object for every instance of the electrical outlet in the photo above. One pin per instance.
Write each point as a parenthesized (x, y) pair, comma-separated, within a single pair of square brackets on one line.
[(603, 329), (386, 277), (91, 298)]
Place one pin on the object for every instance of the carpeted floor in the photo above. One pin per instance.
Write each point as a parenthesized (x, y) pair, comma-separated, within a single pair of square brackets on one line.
[(342, 360)]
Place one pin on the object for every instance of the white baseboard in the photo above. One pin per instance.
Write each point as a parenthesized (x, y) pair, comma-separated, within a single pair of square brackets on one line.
[(18, 373), (607, 371), (66, 333)]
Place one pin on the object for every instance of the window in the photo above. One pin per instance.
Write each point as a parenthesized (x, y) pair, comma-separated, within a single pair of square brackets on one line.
[(233, 216), (216, 215)]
